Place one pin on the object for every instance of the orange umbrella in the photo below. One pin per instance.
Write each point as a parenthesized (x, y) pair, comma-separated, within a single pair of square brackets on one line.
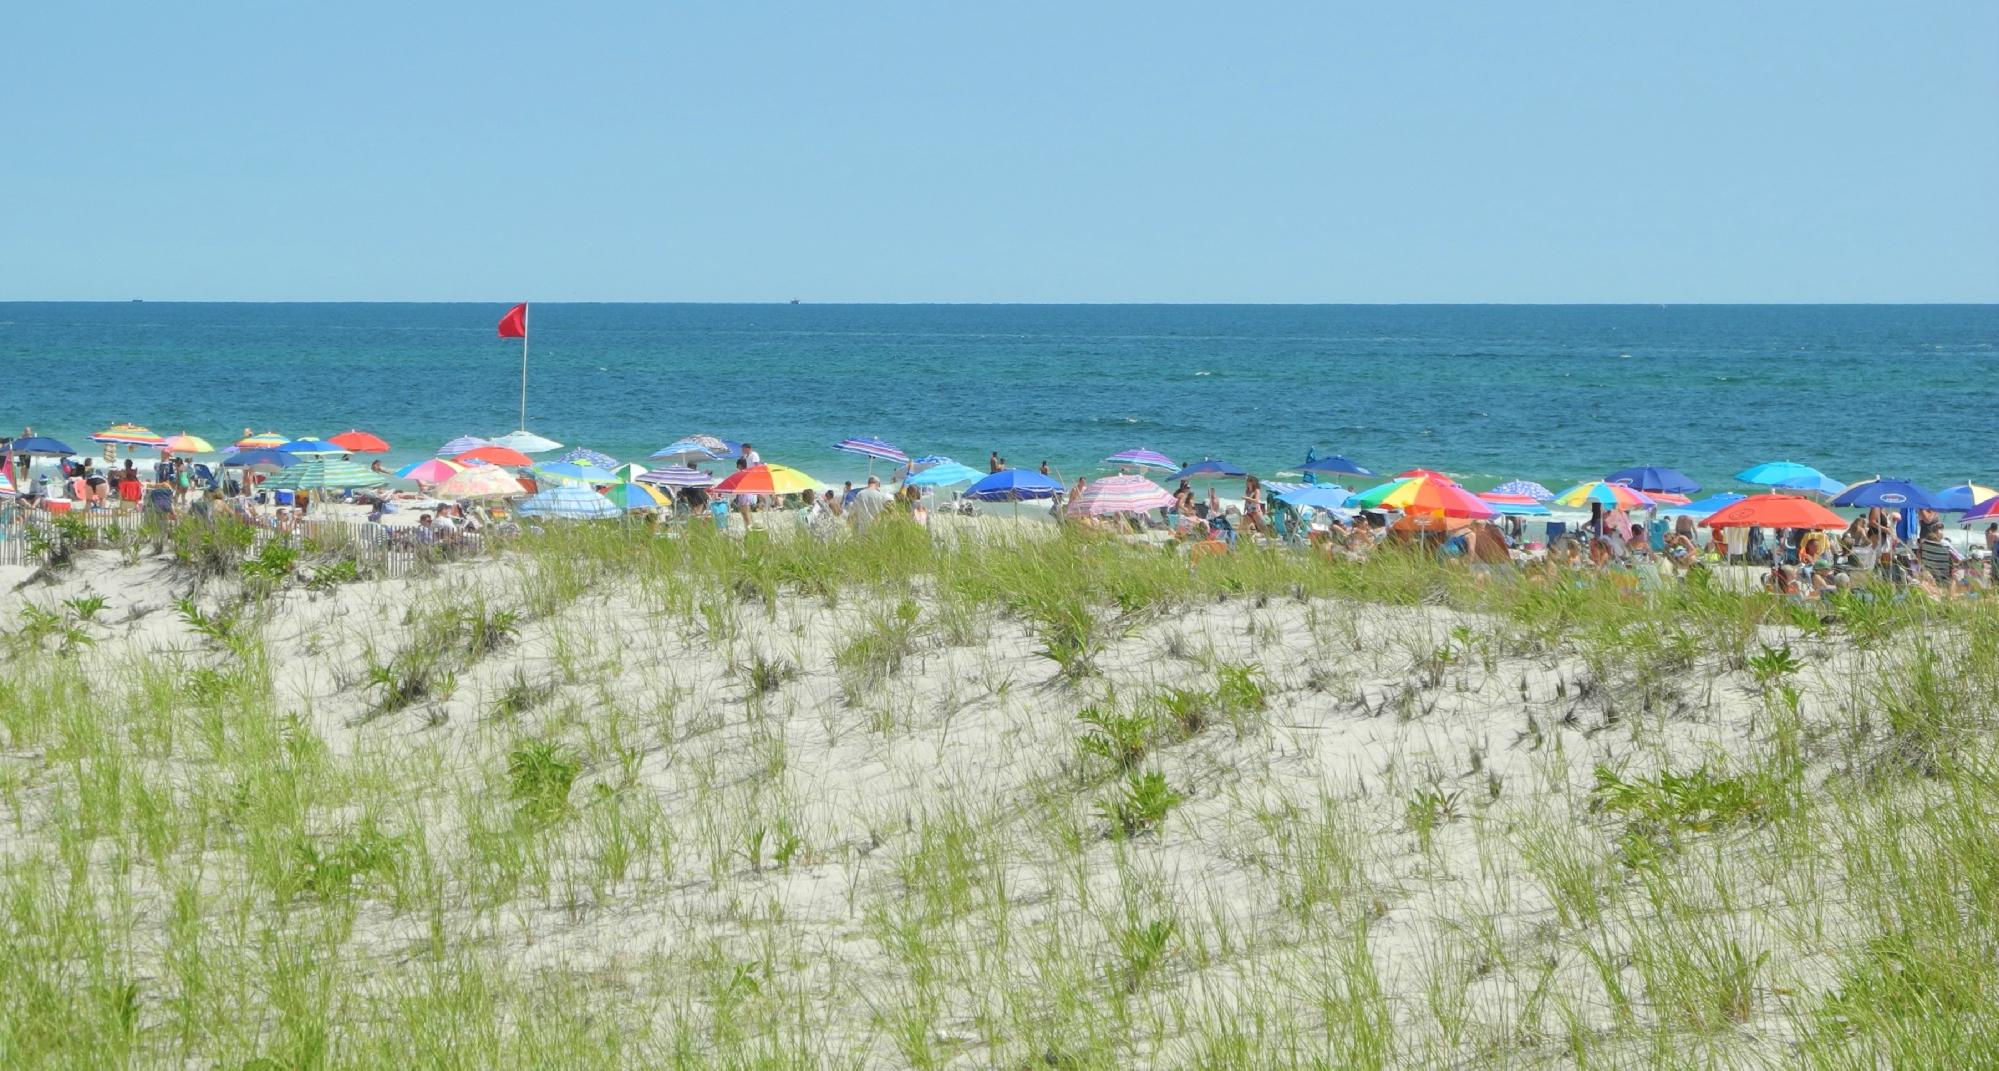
[(359, 442), (1775, 511), (495, 455)]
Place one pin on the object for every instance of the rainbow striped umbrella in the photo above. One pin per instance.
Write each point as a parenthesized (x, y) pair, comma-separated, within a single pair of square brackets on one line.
[(766, 480), (1119, 494), (263, 440), (1964, 496), (631, 496), (873, 448), (128, 435), (186, 444), (1608, 495), (1151, 459), (1424, 494)]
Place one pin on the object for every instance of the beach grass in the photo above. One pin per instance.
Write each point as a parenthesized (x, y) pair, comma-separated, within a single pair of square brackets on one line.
[(1029, 799)]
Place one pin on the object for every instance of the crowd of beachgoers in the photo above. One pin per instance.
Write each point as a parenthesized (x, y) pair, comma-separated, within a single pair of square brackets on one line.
[(1637, 524)]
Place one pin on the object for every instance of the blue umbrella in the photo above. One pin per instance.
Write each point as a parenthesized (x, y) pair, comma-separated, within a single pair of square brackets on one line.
[(1818, 485), (1322, 496), (1013, 485), (1335, 465), (1704, 507), (1524, 487), (585, 456), (313, 446), (943, 475), (1651, 478), (1962, 497), (561, 470), (1210, 469), (1888, 494), (1778, 473), (42, 444), (1516, 509), (570, 501)]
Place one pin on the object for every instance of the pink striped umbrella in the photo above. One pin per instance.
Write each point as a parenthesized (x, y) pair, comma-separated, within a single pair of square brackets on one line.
[(1119, 494)]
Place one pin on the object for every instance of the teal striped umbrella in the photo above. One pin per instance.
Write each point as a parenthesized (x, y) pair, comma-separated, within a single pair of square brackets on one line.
[(320, 473)]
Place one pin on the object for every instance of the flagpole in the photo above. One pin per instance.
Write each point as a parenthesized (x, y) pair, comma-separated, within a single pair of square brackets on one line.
[(524, 366)]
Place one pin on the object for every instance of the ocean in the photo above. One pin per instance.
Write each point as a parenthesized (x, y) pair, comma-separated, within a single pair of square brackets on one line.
[(1551, 393)]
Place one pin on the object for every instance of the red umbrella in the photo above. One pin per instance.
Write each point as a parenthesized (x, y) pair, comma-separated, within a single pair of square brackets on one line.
[(359, 442), (495, 455), (1775, 511)]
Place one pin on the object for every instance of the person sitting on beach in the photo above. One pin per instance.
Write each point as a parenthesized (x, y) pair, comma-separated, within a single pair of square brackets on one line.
[(1601, 553), (426, 530), (1681, 550), (833, 504), (1780, 580), (1939, 558)]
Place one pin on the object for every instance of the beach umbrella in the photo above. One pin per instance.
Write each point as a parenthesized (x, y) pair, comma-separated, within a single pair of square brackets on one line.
[(312, 446), (1210, 469), (873, 448), (1668, 498), (1014, 485), (1987, 510), (693, 448), (569, 502), (1817, 485), (677, 476), (481, 481), (1317, 496), (1775, 511), (40, 446), (630, 496), (766, 480), (127, 435), (1514, 505), (1888, 494), (1954, 499), (943, 475), (1779, 473), (565, 472), (527, 442), (6, 486), (261, 459), (1430, 522), (495, 454), (586, 456), (356, 441), (434, 470), (326, 472), (918, 464), (461, 444), (1424, 494), (1607, 495), (1150, 459), (1335, 465), (1431, 473), (1119, 494), (1524, 487), (1705, 507), (628, 472), (186, 444), (263, 440), (1648, 478)]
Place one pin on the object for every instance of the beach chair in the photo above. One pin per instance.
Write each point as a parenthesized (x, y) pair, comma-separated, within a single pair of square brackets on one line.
[(1222, 531), (1556, 530), (719, 509)]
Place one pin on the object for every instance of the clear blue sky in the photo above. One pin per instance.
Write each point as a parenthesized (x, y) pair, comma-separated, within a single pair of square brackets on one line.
[(1308, 152)]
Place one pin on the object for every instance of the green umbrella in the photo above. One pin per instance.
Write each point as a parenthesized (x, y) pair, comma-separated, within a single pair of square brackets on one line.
[(321, 473)]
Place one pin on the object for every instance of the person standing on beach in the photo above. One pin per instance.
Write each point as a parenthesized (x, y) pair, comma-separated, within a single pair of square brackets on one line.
[(750, 456), (994, 463)]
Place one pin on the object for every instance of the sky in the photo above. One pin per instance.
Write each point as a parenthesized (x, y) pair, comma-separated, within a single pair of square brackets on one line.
[(1020, 152)]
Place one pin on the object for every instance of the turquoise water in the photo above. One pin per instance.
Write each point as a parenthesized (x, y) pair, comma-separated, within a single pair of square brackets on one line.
[(1550, 393)]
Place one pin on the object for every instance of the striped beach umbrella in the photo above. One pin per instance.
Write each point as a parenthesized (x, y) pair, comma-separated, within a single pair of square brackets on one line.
[(356, 441), (630, 496), (873, 448), (263, 440), (628, 472), (570, 502), (1987, 510), (1964, 496), (1524, 487), (1607, 495), (1424, 494), (1119, 494), (677, 476), (432, 470), (696, 448), (461, 444), (481, 481), (127, 435), (1143, 458), (766, 480), (583, 455), (1514, 505), (186, 444), (320, 473)]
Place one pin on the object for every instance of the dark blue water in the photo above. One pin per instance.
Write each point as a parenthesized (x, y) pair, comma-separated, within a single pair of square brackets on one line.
[(1488, 392)]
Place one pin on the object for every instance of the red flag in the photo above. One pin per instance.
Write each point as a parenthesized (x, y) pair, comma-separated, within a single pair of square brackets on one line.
[(515, 323)]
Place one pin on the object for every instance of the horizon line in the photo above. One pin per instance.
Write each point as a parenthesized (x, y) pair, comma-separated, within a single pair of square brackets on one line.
[(787, 302)]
